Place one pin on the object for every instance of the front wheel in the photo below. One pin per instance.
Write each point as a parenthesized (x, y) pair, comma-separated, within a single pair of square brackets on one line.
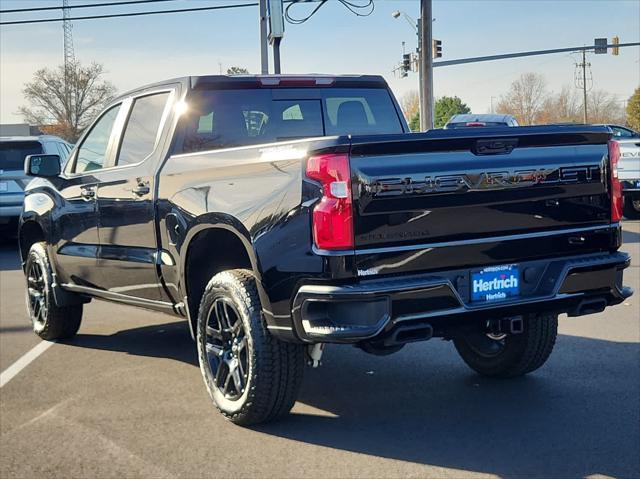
[(510, 355), (631, 208), (251, 376), (49, 320)]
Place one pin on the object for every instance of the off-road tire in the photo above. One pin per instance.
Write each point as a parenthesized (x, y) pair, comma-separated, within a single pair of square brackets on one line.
[(275, 368), (54, 322), (521, 354), (629, 211)]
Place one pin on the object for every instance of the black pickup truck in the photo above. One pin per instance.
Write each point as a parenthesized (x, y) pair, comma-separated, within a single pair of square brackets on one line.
[(277, 214)]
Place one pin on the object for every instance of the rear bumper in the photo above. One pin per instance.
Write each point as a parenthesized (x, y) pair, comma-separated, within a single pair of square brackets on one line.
[(374, 308)]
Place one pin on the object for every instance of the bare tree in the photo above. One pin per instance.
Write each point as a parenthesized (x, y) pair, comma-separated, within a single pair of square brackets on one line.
[(604, 107), (66, 109), (564, 107), (410, 103), (525, 98)]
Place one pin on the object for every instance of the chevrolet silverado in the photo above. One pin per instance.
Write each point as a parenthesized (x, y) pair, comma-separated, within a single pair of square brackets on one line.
[(277, 214)]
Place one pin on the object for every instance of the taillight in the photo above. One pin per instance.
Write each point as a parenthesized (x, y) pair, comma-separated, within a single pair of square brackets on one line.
[(476, 123), (332, 216), (616, 187)]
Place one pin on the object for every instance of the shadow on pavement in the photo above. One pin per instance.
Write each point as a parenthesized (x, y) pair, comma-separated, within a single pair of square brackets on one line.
[(9, 255), (169, 340), (577, 416), (630, 237)]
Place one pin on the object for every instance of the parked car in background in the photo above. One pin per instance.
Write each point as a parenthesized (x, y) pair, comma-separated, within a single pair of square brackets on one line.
[(480, 120), (13, 150), (629, 174), (628, 168), (623, 132)]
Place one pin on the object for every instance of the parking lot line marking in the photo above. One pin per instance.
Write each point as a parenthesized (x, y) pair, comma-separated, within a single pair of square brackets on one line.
[(12, 371)]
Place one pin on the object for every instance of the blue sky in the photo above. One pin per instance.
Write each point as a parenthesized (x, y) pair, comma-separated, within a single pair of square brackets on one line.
[(141, 50)]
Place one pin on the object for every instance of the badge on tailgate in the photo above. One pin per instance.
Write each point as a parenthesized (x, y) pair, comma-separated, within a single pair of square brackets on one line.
[(495, 283)]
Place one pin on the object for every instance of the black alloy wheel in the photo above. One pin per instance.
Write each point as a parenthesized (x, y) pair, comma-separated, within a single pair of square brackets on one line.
[(226, 348), (37, 294)]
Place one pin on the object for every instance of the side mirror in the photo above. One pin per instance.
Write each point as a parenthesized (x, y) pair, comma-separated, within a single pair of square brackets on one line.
[(42, 165)]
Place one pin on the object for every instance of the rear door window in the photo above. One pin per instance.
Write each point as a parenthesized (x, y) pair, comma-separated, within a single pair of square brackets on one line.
[(141, 130), (13, 153)]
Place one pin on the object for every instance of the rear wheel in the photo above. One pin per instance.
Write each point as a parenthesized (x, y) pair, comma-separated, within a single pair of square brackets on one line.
[(513, 354), (49, 320), (631, 208), (251, 376)]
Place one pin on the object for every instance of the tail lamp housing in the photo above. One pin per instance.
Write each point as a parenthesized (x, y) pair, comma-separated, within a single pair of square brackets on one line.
[(616, 187), (333, 214)]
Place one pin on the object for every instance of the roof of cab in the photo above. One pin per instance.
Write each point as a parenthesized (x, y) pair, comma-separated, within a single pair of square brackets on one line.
[(263, 81), (271, 81)]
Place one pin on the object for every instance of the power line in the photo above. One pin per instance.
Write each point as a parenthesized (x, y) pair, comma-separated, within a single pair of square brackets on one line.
[(356, 8), (349, 4), (85, 5), (132, 14)]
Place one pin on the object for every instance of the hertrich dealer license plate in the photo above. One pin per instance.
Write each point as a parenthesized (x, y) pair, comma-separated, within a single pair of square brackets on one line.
[(495, 283)]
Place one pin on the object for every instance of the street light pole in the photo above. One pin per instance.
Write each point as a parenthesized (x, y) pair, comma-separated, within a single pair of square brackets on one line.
[(426, 65), (584, 86)]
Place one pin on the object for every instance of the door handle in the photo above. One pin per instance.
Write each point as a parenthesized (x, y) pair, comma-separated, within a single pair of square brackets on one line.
[(141, 190), (88, 193)]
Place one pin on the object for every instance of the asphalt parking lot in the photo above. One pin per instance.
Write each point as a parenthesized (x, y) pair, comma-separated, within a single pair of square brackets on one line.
[(125, 399)]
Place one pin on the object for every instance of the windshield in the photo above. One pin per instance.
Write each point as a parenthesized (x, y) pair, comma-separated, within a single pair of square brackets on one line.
[(13, 153), (229, 118)]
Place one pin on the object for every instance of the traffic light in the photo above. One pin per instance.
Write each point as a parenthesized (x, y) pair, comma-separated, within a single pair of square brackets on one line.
[(615, 41), (437, 49), (406, 63)]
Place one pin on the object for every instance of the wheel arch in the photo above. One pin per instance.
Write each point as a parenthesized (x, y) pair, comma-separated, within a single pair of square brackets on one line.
[(29, 233), (209, 249)]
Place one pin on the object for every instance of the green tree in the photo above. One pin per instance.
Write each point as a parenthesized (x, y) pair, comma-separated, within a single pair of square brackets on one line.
[(445, 108), (633, 110), (237, 71)]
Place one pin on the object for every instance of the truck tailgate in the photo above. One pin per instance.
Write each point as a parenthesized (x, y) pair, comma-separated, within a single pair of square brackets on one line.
[(445, 198)]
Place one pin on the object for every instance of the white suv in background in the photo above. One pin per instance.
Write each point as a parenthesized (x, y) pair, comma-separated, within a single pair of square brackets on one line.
[(629, 168), (13, 150)]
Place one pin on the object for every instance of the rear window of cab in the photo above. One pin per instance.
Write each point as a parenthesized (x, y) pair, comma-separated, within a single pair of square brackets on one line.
[(230, 118)]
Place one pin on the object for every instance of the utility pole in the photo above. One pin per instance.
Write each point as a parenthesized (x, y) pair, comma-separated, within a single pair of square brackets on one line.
[(426, 65), (264, 43), (584, 65), (584, 85)]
